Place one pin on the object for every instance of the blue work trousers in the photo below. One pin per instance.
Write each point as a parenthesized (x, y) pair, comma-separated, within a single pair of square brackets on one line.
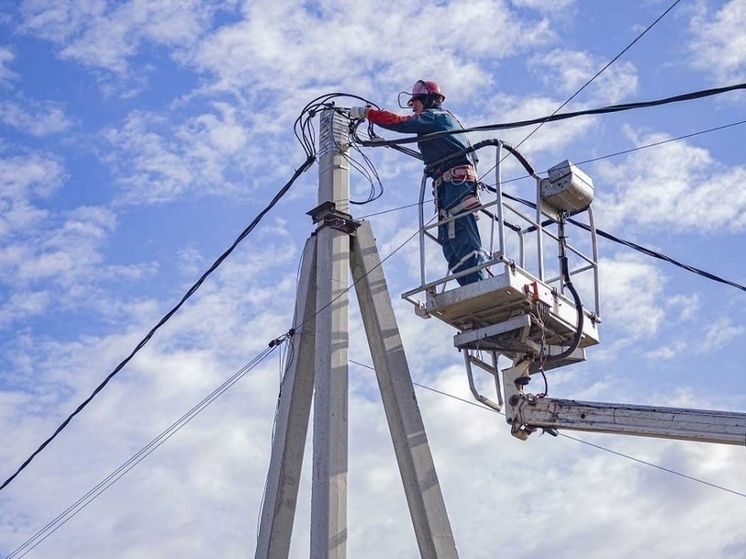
[(465, 239)]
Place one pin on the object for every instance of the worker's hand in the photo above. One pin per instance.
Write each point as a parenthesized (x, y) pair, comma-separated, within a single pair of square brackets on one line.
[(359, 112)]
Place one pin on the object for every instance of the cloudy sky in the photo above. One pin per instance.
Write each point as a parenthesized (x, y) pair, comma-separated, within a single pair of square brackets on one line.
[(139, 138)]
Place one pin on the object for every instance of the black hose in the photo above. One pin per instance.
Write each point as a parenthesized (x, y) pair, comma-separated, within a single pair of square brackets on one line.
[(565, 271), (479, 145)]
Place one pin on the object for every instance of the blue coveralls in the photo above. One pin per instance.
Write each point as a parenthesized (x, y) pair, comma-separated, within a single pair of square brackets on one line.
[(465, 239)]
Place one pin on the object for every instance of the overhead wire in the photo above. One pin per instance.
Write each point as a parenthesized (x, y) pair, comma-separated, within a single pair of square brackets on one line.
[(306, 135), (691, 96), (593, 78), (576, 439), (369, 172), (639, 248), (583, 162)]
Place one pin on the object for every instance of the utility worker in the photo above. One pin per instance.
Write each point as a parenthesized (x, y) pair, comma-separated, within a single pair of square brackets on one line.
[(455, 180)]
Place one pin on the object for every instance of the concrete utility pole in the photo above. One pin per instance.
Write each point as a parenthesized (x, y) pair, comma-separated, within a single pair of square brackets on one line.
[(321, 339)]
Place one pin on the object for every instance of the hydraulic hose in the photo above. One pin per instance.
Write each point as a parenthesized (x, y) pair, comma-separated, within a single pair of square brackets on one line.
[(565, 272)]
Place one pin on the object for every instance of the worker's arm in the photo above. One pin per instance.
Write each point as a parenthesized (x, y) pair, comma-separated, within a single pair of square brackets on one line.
[(408, 124)]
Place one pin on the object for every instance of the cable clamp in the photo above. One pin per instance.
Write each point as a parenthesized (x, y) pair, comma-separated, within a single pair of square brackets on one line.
[(327, 215), (287, 335)]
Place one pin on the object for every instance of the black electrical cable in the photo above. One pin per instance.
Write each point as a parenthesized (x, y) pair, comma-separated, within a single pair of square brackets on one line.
[(305, 133), (564, 116), (639, 248), (599, 158), (479, 145), (627, 151), (660, 256), (659, 143)]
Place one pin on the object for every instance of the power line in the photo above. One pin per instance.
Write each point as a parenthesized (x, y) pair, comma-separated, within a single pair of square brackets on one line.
[(306, 165), (597, 446), (138, 457), (639, 248), (654, 144), (700, 94), (660, 256)]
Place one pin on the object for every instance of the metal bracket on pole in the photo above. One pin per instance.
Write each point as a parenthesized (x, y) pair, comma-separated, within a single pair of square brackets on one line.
[(327, 215)]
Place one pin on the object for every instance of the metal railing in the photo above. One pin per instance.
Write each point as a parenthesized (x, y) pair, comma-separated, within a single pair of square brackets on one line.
[(525, 222)]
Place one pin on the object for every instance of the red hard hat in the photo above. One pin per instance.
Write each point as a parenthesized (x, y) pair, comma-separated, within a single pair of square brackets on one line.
[(427, 88), (422, 88)]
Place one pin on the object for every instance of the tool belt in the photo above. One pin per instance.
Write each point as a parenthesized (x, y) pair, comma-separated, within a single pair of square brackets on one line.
[(459, 174), (468, 203)]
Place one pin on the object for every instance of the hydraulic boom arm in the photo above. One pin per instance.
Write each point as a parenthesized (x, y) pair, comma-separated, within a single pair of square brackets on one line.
[(526, 413)]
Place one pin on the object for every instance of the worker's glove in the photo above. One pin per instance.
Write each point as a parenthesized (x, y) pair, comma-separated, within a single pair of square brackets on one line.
[(358, 112)]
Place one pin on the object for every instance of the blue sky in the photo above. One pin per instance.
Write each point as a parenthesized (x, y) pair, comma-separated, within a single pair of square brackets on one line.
[(138, 139)]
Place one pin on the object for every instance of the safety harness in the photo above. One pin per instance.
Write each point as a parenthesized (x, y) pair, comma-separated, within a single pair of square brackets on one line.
[(457, 175), (470, 202)]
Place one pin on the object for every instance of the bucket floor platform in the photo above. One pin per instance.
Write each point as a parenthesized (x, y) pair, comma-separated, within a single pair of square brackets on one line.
[(505, 313)]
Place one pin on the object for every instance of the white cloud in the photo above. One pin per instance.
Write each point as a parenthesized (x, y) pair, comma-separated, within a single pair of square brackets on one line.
[(21, 306), (51, 259), (568, 71), (719, 44), (718, 334), (37, 119), (6, 57), (281, 45), (107, 34), (667, 351), (672, 186), (630, 295), (29, 175), (540, 5), (210, 153), (685, 306)]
